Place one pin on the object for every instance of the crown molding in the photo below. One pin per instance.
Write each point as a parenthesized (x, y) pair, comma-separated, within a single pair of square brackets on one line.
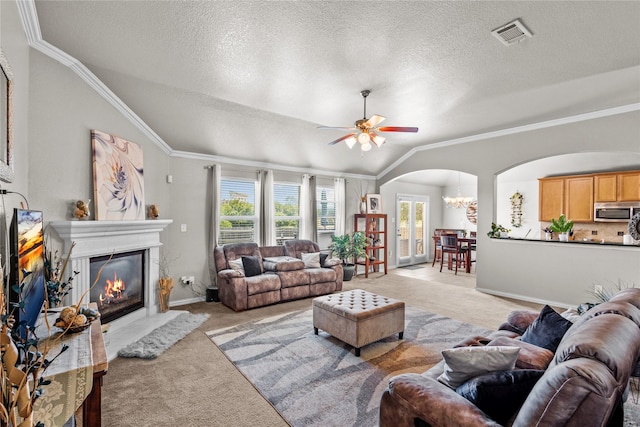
[(265, 165), (511, 131), (31, 25)]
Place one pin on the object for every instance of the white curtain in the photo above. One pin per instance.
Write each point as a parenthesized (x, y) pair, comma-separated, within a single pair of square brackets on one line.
[(267, 209), (308, 214), (214, 218), (341, 210)]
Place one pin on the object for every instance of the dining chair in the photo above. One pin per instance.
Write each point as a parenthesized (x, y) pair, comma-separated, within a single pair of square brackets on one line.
[(437, 253), (450, 247)]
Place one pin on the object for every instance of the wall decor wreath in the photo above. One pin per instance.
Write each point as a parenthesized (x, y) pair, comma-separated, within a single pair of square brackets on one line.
[(516, 209)]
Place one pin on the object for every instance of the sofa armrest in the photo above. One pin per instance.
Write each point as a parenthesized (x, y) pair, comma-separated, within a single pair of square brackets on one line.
[(229, 274), (330, 262), (232, 289), (435, 403)]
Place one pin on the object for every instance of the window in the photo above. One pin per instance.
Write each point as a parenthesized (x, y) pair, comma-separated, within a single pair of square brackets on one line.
[(326, 209), (287, 211), (238, 217)]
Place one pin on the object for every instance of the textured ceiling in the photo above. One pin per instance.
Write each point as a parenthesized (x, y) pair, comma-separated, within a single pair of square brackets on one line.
[(253, 79)]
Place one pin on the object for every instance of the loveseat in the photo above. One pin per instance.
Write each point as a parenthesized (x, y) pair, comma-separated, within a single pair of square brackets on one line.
[(250, 276), (580, 382)]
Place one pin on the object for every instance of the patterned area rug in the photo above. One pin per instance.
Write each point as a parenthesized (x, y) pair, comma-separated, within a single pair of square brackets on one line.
[(316, 380)]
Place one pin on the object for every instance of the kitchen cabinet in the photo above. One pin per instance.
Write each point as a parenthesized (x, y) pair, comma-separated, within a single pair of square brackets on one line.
[(579, 198), (551, 198), (617, 187), (629, 187), (606, 188), (375, 227), (572, 196)]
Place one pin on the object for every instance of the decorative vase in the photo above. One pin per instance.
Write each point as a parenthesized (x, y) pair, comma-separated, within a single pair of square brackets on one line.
[(563, 237), (363, 207), (348, 272), (165, 284)]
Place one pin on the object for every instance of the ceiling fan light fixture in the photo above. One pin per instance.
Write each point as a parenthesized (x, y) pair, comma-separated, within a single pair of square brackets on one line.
[(366, 146), (378, 140), (364, 138), (351, 141)]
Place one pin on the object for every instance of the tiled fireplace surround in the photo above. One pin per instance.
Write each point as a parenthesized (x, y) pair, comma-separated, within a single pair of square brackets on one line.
[(97, 238)]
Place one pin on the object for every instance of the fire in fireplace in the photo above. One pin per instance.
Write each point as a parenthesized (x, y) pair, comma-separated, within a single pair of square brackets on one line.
[(119, 289)]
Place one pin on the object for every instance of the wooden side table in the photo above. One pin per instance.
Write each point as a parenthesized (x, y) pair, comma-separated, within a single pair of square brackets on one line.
[(92, 405)]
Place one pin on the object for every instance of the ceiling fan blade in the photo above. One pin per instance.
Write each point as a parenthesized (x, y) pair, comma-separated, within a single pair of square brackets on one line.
[(397, 129), (374, 121), (337, 127), (341, 139)]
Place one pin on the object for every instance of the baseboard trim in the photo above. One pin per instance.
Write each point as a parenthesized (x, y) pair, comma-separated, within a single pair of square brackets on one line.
[(186, 301), (524, 298)]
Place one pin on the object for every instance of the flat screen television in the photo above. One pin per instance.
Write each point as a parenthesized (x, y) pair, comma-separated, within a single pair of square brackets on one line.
[(26, 280)]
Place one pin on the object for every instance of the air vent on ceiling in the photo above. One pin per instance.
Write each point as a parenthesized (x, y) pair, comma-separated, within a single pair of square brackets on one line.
[(511, 33)]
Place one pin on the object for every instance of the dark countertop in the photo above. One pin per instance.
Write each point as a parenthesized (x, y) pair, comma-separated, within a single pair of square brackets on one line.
[(573, 242)]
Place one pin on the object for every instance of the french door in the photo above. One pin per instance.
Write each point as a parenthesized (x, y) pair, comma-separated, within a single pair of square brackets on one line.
[(411, 229)]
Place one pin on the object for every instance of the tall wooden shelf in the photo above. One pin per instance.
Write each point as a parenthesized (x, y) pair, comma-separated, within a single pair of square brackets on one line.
[(377, 253)]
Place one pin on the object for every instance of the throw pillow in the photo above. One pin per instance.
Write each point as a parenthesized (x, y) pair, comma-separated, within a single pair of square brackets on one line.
[(462, 363), (236, 264), (323, 258), (311, 260), (251, 266), (500, 394), (547, 330)]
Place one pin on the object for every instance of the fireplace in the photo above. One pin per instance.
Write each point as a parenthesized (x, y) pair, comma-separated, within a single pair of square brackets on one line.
[(100, 239), (118, 284)]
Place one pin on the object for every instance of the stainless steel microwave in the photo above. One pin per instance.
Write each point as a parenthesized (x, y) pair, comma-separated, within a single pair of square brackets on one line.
[(615, 211)]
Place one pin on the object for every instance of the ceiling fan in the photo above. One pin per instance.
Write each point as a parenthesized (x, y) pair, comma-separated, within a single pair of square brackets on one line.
[(365, 131)]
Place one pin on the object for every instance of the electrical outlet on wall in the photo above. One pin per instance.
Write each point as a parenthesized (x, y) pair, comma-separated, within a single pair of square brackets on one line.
[(187, 280)]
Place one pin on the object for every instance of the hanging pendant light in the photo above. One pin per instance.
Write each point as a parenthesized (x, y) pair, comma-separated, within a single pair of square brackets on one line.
[(459, 201)]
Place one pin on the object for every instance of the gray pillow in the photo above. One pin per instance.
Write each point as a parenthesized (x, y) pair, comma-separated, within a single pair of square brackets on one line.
[(463, 363)]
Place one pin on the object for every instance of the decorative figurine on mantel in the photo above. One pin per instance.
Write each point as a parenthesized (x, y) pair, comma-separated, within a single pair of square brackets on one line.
[(153, 212), (81, 209)]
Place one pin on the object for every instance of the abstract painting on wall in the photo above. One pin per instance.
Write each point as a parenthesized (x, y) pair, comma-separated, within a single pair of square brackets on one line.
[(118, 180)]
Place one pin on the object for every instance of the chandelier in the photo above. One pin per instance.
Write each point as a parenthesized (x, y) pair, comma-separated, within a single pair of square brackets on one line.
[(459, 201)]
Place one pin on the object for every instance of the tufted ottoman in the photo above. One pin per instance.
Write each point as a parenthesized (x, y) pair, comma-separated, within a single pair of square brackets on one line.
[(358, 317)]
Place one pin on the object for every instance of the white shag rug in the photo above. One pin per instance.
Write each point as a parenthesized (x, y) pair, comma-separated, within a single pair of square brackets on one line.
[(160, 339)]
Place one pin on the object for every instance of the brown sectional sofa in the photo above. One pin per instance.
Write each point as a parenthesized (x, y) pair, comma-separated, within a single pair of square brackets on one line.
[(280, 274), (582, 383)]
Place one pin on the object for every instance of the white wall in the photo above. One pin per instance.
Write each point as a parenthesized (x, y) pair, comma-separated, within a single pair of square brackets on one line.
[(539, 271)]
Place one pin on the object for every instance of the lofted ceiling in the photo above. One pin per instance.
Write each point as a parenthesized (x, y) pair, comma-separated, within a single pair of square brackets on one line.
[(251, 80)]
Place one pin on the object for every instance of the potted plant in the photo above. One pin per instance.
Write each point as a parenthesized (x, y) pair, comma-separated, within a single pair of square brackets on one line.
[(563, 226), (348, 248), (498, 231)]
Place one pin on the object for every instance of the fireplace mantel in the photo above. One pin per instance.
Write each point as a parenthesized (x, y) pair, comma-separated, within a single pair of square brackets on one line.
[(97, 238)]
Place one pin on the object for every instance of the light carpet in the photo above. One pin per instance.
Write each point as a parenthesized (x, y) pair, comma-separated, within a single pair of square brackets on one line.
[(316, 380), (160, 339)]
